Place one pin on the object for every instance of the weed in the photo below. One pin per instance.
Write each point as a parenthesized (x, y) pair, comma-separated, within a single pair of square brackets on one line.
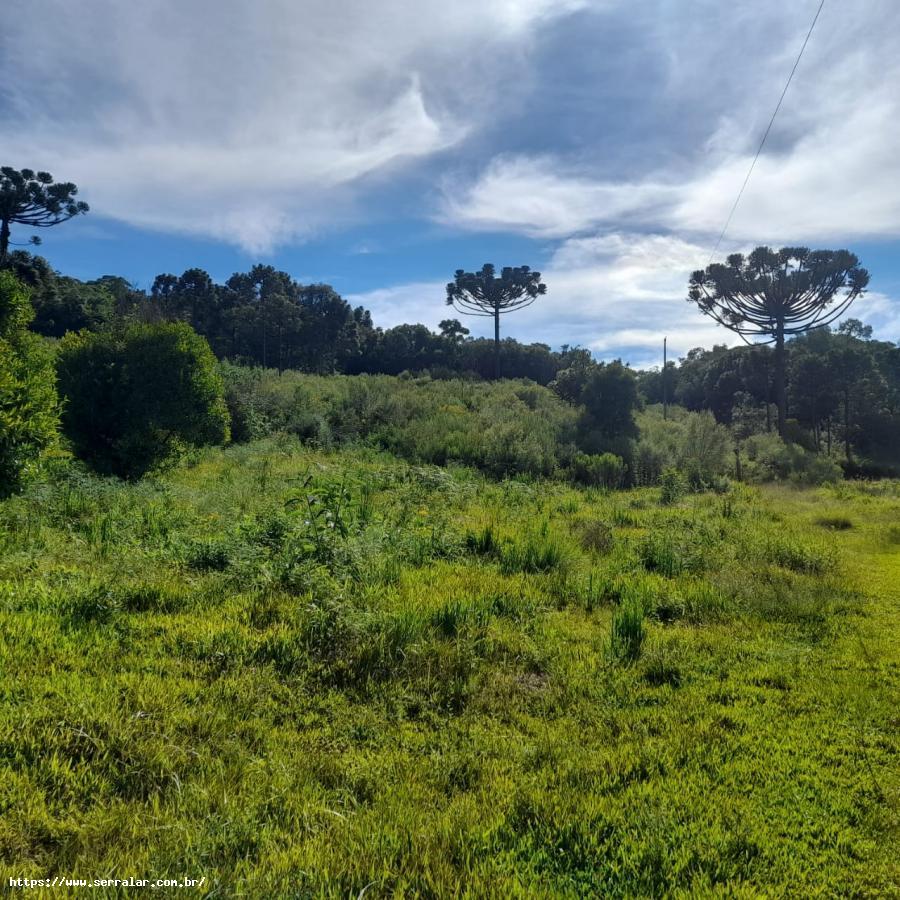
[(483, 542), (663, 664), (793, 554), (595, 536), (535, 554), (623, 519), (628, 631), (208, 556), (835, 523), (670, 554)]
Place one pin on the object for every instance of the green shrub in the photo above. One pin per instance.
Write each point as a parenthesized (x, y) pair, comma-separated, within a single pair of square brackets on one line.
[(797, 556), (137, 398), (29, 408), (649, 463), (704, 449), (482, 543), (602, 470), (208, 556), (663, 664), (692, 442), (595, 536), (673, 486), (770, 459), (249, 418)]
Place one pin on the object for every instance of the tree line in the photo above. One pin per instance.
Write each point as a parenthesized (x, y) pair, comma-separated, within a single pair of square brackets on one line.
[(264, 317), (827, 388), (842, 387), (842, 393)]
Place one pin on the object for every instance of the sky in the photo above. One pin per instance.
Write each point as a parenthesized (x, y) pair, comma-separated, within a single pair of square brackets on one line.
[(381, 146)]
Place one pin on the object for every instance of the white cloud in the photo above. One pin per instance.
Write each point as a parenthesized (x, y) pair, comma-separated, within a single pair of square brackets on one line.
[(830, 171), (538, 197), (621, 293), (420, 302), (249, 122)]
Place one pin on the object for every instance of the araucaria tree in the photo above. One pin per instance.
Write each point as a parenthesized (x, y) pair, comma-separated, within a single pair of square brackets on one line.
[(34, 199), (775, 293), (484, 294)]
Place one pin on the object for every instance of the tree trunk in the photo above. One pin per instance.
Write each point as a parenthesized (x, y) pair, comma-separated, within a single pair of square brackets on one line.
[(780, 379), (265, 359), (847, 425), (4, 240), (497, 343)]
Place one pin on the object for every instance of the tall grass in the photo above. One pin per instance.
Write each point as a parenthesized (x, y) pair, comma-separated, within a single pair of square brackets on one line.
[(300, 671)]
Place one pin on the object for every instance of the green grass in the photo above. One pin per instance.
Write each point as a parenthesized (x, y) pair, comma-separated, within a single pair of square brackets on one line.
[(309, 673)]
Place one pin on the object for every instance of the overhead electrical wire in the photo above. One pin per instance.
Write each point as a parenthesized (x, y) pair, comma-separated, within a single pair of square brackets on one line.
[(762, 143)]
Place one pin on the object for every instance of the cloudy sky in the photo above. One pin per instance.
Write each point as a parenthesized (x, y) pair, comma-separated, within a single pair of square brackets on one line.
[(380, 146)]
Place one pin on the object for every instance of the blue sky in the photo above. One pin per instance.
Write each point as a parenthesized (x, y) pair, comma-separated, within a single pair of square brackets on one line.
[(378, 147)]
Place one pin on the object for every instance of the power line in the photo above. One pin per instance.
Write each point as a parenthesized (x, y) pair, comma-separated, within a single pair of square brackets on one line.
[(762, 143)]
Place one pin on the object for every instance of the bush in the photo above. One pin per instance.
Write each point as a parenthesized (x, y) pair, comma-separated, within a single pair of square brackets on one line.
[(595, 536), (692, 442), (705, 449), (673, 486), (665, 553), (538, 553), (603, 470), (137, 398), (249, 418), (770, 459), (505, 428), (649, 463), (29, 408)]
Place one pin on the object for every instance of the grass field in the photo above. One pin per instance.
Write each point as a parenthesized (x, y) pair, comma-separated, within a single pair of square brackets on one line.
[(300, 673)]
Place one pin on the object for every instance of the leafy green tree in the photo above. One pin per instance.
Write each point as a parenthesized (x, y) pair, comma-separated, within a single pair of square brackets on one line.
[(137, 397), (608, 396), (72, 305), (711, 379), (610, 399), (34, 199), (29, 408), (482, 293), (854, 328), (777, 293), (32, 271), (853, 371), (453, 330)]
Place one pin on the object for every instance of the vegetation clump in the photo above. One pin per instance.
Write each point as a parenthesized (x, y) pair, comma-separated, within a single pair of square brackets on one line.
[(29, 409), (139, 398)]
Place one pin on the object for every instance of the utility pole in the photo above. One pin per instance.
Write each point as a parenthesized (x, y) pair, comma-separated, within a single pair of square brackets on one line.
[(665, 394)]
